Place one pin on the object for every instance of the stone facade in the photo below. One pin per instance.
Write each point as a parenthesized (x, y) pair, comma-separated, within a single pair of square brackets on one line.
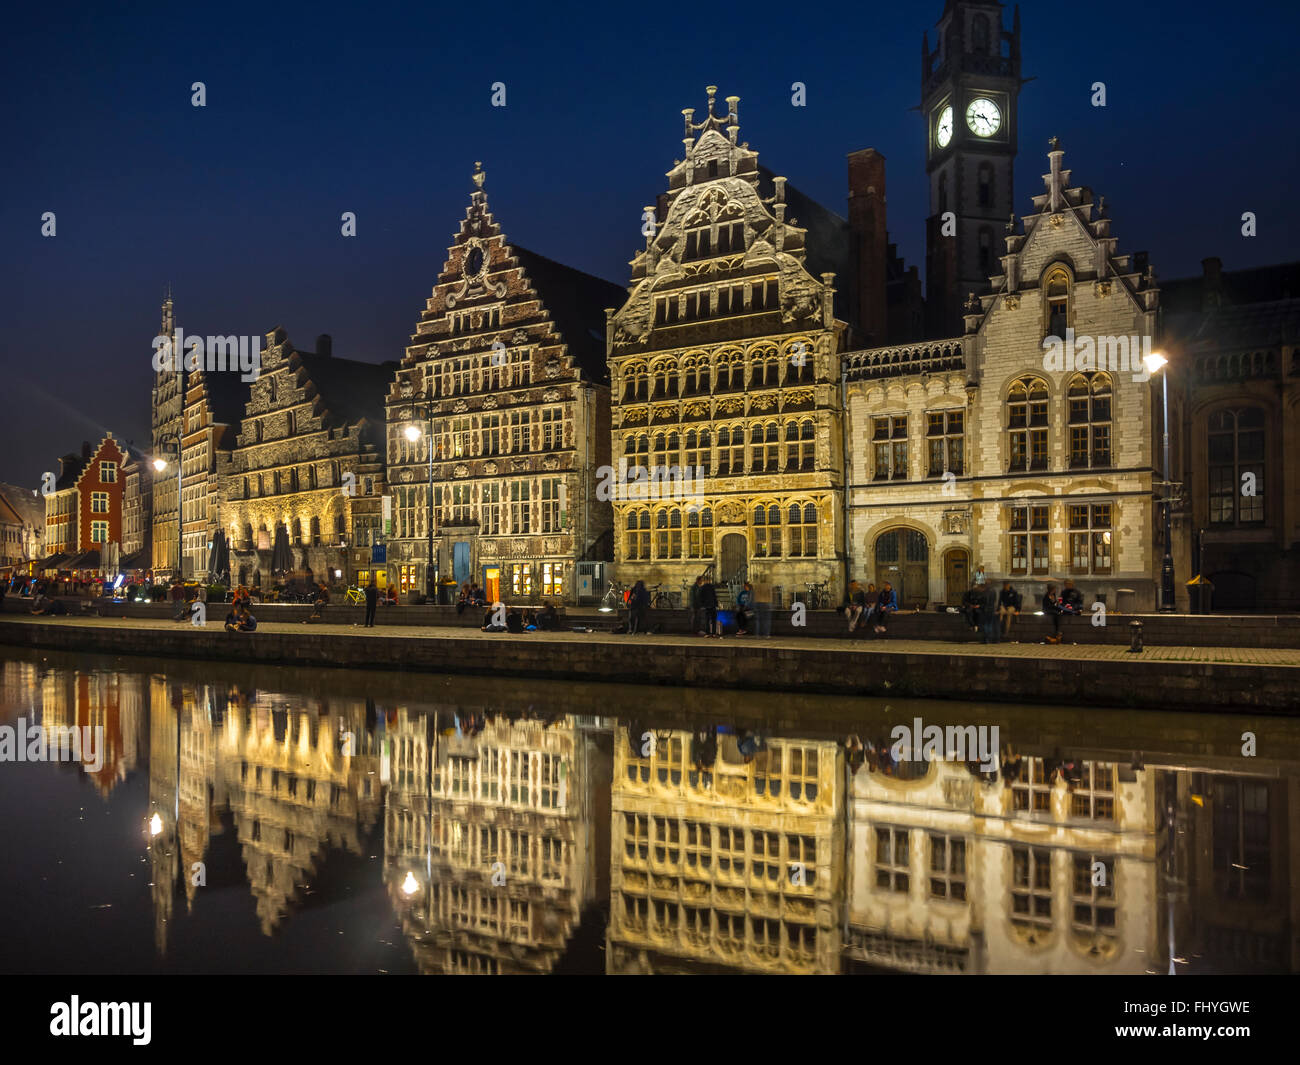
[(168, 423), (137, 505), (309, 445), (981, 450), (506, 374), (725, 368), (213, 404)]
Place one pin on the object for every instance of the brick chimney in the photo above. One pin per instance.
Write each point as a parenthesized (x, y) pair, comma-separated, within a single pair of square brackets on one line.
[(325, 345), (867, 222)]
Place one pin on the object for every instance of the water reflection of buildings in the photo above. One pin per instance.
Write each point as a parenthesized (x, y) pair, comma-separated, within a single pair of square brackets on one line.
[(723, 861), (495, 840), (295, 783), (1027, 870), (113, 704)]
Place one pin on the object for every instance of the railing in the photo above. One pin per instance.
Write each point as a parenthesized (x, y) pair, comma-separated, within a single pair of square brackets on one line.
[(935, 356)]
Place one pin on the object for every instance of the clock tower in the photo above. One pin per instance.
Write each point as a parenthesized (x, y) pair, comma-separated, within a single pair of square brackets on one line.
[(969, 86)]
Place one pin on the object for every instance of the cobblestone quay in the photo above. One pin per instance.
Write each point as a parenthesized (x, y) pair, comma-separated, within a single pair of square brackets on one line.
[(1161, 678)]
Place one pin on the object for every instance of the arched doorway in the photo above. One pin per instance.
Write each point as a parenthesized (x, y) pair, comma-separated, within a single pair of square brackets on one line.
[(956, 575), (733, 554), (903, 559)]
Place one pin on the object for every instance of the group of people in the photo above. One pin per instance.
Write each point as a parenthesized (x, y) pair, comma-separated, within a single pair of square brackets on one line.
[(868, 608), (753, 608), (501, 618), (470, 595), (993, 612)]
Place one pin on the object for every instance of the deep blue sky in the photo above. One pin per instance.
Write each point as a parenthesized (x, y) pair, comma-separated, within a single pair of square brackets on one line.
[(317, 109)]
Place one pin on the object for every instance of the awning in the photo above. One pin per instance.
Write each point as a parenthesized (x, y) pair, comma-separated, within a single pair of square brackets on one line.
[(85, 560), (53, 561), (135, 560)]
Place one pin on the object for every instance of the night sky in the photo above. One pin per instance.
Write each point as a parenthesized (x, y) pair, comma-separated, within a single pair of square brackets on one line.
[(313, 110)]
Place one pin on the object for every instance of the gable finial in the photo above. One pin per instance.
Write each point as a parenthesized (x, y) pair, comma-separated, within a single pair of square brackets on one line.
[(479, 175)]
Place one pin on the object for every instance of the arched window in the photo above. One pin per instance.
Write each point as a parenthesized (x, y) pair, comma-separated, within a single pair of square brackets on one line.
[(668, 534), (638, 536), (801, 368), (984, 184), (315, 532), (698, 452), (1090, 411), (802, 522), (1027, 424), (1057, 309), (660, 450), (799, 446), (979, 34), (699, 532), (767, 531), (636, 383), (297, 532), (731, 451), (1237, 466), (667, 381), (730, 373)]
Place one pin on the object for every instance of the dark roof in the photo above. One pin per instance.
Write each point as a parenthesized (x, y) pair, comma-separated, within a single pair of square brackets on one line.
[(8, 513), (352, 390), (227, 396), (576, 302), (1260, 284), (1251, 325), (70, 467)]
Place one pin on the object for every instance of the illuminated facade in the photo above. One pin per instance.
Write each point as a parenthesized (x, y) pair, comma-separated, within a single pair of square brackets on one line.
[(981, 450), (736, 865), (495, 842), (167, 410), (505, 371), (725, 363), (310, 443)]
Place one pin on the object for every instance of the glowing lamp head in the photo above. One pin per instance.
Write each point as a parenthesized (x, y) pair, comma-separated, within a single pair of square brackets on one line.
[(412, 433), (1154, 362), (160, 464)]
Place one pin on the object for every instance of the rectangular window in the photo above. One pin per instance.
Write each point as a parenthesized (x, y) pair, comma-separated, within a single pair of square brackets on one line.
[(1093, 897), (99, 532), (553, 578), (107, 472), (521, 579), (99, 502), (947, 868), (1030, 555), (889, 438), (520, 508), (945, 442), (552, 431), (490, 509), (551, 505), (1091, 538), (893, 860), (1031, 886)]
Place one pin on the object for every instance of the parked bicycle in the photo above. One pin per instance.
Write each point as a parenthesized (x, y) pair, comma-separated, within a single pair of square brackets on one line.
[(355, 597), (818, 596), (614, 598), (662, 600)]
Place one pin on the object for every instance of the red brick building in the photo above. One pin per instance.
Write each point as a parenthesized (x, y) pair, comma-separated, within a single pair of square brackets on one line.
[(99, 496)]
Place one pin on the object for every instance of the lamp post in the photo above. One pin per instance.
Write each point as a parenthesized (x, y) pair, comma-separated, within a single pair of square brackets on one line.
[(1155, 362), (160, 464), (413, 434)]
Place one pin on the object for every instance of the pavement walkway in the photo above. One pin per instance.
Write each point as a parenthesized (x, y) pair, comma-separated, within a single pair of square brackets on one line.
[(1262, 656)]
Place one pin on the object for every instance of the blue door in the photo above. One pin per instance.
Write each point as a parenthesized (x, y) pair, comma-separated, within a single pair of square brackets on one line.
[(460, 561)]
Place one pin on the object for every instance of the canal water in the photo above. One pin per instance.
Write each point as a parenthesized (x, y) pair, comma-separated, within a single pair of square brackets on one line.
[(209, 818)]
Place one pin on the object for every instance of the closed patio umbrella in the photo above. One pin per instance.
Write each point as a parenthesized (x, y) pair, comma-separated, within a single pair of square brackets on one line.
[(281, 555), (219, 558)]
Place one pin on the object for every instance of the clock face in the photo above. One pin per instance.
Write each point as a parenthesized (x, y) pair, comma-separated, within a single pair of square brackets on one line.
[(943, 130), (983, 117)]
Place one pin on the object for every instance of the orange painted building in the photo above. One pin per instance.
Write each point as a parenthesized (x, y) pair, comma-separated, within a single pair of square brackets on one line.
[(99, 496)]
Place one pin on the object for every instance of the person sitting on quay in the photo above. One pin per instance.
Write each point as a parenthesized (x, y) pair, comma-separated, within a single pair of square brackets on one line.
[(232, 619), (989, 612), (855, 603), (247, 623), (549, 619), (462, 600), (319, 602), (46, 606), (970, 605), (886, 604), (744, 609), (1053, 608), (390, 597), (1009, 602), (179, 610)]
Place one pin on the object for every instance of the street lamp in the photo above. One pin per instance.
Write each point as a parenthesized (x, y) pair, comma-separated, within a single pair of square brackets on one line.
[(1155, 362), (413, 434), (160, 464)]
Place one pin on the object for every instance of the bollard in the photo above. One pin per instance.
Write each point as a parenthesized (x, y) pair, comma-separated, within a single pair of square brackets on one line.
[(1135, 637)]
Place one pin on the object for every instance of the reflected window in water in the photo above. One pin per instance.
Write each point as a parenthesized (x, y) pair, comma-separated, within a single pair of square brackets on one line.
[(1094, 894), (1031, 892), (1241, 839), (893, 860), (948, 868)]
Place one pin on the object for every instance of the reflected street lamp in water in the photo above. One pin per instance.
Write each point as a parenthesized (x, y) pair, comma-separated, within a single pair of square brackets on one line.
[(1155, 362), (413, 434)]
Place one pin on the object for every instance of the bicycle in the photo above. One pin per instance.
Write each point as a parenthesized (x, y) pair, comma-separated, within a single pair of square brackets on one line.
[(355, 597), (818, 596), (613, 599), (662, 600)]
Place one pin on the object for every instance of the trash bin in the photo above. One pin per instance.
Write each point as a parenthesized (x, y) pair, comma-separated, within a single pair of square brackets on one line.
[(1200, 595), (1124, 600), (447, 594)]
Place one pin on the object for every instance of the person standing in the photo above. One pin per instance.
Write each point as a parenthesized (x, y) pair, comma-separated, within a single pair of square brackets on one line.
[(762, 605), (989, 613), (744, 609), (709, 604), (638, 603), (697, 612), (372, 601)]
